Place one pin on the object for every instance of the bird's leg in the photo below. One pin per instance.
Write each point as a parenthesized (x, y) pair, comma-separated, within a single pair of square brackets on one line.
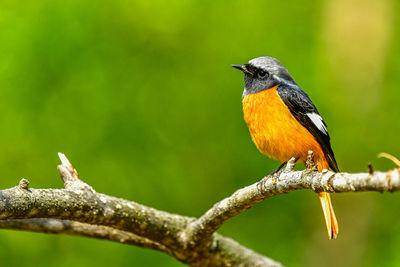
[(272, 176)]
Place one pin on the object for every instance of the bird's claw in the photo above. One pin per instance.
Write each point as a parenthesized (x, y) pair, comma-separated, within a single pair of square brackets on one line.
[(312, 169), (261, 184)]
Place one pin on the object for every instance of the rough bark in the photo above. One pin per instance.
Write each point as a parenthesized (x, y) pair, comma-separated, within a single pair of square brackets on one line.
[(79, 210)]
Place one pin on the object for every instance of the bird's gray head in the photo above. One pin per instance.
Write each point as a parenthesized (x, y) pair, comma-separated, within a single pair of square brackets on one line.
[(263, 73)]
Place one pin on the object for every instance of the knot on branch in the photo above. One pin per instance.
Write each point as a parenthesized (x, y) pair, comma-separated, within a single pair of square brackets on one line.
[(23, 184), (290, 165), (391, 177)]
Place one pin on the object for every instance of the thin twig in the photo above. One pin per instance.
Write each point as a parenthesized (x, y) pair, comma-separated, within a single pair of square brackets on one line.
[(390, 157), (370, 168)]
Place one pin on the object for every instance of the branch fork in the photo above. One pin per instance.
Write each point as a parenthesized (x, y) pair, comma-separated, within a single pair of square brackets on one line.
[(79, 210)]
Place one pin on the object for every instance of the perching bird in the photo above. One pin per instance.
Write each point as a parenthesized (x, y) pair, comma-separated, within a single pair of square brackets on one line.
[(284, 122)]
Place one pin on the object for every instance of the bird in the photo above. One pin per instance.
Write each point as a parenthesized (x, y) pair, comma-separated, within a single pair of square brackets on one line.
[(284, 123)]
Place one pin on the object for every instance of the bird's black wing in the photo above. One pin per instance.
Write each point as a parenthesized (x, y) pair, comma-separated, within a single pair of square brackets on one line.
[(303, 109)]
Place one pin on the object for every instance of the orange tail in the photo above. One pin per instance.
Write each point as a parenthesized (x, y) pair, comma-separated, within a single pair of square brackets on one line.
[(330, 218)]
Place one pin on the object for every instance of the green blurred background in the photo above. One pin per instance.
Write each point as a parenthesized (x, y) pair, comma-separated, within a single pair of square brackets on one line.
[(141, 97)]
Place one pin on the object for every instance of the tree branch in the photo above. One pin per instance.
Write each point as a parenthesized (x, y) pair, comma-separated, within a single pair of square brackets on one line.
[(80, 210), (287, 181), (56, 226), (102, 214)]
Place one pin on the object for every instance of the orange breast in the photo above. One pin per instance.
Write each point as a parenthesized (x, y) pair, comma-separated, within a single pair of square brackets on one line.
[(276, 132)]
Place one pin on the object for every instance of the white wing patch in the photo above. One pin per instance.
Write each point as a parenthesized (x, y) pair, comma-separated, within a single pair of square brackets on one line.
[(317, 120)]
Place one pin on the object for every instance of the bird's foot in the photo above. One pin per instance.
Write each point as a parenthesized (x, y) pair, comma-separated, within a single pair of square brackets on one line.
[(261, 184), (274, 176), (312, 168)]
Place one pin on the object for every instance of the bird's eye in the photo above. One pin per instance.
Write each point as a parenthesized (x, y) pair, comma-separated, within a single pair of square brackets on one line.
[(262, 74)]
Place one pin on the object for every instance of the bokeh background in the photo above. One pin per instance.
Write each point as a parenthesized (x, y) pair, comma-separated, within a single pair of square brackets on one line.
[(141, 97)]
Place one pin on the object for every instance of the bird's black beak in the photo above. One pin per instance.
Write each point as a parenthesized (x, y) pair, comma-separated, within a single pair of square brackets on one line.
[(242, 68), (239, 67)]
